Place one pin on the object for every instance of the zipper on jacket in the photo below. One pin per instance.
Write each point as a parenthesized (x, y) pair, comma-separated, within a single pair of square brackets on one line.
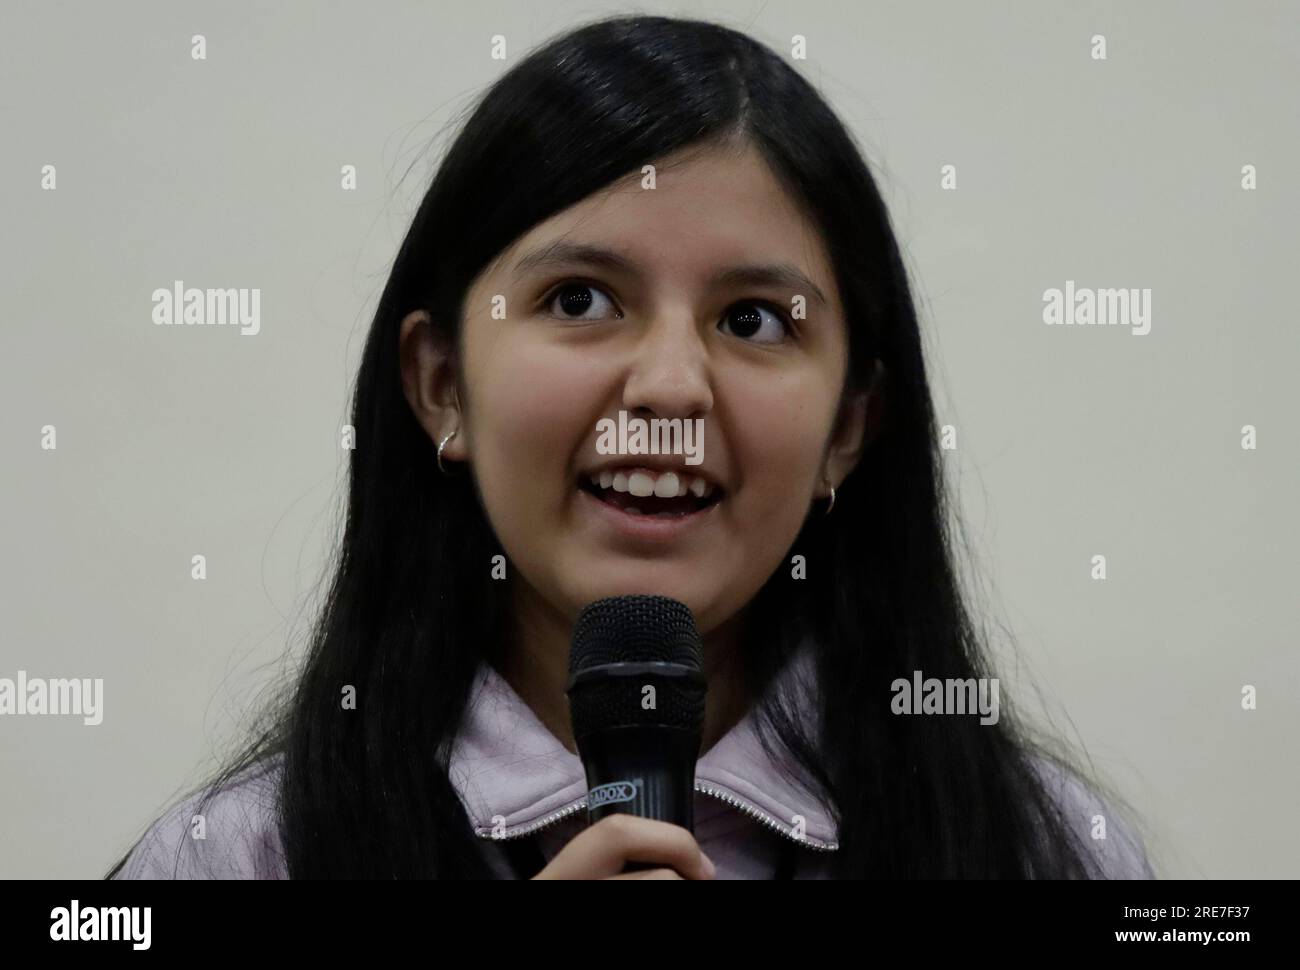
[(764, 818), (540, 824), (722, 796)]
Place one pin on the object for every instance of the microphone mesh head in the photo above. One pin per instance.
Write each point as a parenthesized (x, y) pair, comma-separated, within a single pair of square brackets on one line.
[(636, 629)]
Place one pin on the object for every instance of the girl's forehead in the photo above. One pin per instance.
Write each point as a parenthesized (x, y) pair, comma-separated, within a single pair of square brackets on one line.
[(719, 207), (681, 186)]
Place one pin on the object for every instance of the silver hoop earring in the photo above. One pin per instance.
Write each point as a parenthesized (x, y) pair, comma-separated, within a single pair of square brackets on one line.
[(832, 505), (441, 445)]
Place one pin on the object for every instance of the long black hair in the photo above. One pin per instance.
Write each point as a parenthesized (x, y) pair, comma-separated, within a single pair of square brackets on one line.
[(412, 610)]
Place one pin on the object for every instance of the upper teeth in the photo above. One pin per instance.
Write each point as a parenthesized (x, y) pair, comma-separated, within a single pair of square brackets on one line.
[(643, 482)]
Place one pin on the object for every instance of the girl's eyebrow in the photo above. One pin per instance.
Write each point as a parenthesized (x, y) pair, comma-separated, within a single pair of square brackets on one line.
[(570, 253)]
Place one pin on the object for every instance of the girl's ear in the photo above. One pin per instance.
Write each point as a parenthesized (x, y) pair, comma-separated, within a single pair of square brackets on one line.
[(428, 367), (856, 426), (875, 393)]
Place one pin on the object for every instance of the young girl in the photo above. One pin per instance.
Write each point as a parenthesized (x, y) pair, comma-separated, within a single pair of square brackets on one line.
[(660, 219)]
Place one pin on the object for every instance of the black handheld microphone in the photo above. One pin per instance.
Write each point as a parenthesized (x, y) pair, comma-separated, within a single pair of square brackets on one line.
[(636, 698)]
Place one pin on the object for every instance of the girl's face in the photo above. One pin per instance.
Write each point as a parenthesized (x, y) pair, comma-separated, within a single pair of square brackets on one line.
[(668, 302)]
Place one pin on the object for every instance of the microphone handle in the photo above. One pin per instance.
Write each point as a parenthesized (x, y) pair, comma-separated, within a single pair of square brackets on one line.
[(645, 770)]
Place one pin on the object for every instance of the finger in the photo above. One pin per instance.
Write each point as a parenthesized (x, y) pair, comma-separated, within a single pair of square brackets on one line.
[(650, 874), (621, 838)]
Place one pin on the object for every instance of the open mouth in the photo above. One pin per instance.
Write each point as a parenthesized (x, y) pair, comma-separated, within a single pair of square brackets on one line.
[(655, 506)]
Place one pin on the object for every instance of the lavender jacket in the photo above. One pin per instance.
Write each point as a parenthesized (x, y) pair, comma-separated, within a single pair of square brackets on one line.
[(515, 779)]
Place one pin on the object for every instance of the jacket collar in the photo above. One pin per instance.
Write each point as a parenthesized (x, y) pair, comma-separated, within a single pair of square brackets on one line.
[(511, 771)]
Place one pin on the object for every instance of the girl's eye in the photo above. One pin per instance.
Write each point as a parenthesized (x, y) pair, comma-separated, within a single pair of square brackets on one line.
[(747, 319), (574, 300)]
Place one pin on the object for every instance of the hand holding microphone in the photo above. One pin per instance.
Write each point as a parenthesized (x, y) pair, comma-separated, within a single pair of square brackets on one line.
[(636, 698), (625, 846)]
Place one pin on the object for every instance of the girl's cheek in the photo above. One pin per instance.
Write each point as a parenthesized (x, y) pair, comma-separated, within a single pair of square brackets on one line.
[(536, 405), (780, 432)]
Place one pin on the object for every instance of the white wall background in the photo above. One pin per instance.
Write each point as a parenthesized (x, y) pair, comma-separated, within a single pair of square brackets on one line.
[(1072, 441)]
